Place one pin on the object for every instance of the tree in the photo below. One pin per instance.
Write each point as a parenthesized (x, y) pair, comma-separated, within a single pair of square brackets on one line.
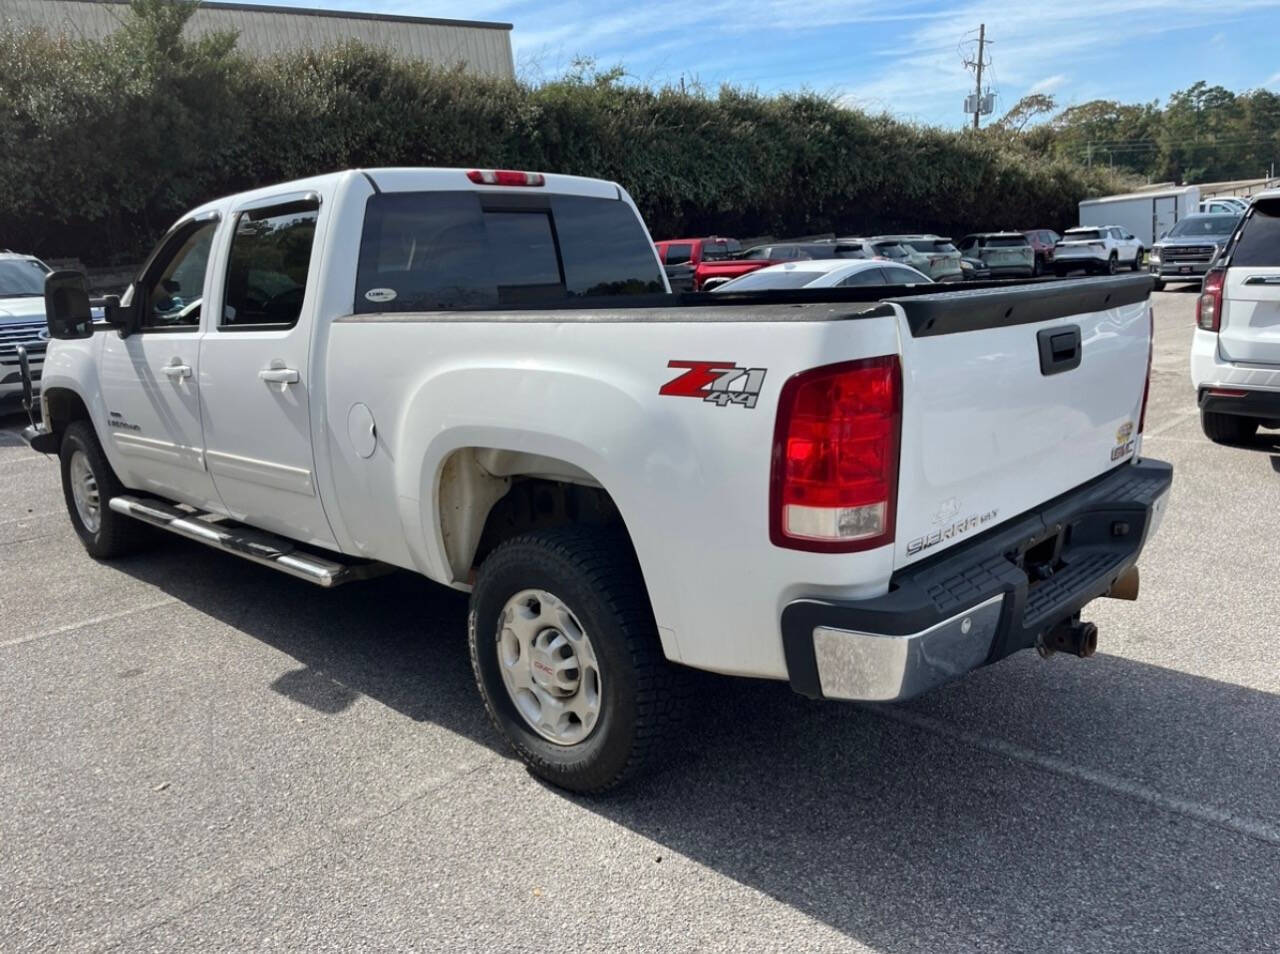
[(1026, 109)]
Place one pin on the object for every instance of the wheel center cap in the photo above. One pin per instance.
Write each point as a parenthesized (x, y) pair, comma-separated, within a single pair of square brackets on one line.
[(548, 667)]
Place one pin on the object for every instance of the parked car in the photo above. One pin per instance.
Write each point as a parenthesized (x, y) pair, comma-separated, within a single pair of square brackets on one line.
[(390, 374), (1104, 248), (1190, 247), (680, 257), (1225, 204), (933, 255), (1235, 350), (826, 273), (866, 248), (974, 270), (1043, 242), (1006, 254), (710, 274), (22, 321)]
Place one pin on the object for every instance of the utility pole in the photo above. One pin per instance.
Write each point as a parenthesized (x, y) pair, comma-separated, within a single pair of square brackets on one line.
[(982, 41)]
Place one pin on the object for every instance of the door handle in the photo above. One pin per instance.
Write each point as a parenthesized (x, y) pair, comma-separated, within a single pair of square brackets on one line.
[(278, 375), (178, 370)]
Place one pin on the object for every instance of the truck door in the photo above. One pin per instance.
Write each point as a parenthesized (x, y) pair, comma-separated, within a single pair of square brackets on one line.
[(150, 381), (254, 374)]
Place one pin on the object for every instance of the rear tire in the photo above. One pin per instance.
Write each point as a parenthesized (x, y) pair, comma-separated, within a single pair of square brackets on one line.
[(1227, 428), (572, 600), (88, 484)]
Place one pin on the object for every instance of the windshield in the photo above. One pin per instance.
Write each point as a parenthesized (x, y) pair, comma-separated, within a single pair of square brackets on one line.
[(1082, 235), (1205, 225), (21, 278), (767, 278)]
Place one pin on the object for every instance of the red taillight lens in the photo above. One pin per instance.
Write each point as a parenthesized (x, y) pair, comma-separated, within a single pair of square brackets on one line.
[(1151, 351), (1209, 305), (506, 177), (835, 457)]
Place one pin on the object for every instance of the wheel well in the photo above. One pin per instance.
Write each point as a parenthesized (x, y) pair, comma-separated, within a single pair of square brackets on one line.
[(62, 406), (487, 496)]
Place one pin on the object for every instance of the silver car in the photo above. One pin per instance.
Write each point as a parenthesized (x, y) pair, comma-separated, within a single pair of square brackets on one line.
[(933, 255), (1006, 254)]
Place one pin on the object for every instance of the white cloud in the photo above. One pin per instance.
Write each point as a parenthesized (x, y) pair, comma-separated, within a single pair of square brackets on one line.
[(1049, 83), (1273, 80)]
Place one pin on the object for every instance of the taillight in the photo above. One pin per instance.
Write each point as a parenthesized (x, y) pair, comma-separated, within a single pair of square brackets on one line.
[(1151, 350), (506, 177), (835, 457), (1209, 305)]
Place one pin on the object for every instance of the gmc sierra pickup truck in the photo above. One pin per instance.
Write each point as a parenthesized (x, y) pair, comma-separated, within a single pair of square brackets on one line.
[(479, 376)]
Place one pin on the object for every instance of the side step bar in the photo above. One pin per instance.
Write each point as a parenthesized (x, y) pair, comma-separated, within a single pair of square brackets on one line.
[(256, 545)]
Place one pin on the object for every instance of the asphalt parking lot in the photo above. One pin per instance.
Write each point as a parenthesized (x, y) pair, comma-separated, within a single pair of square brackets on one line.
[(199, 754)]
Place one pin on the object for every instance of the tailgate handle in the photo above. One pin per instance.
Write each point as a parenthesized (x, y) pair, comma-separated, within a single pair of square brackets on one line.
[(1262, 280), (1059, 349)]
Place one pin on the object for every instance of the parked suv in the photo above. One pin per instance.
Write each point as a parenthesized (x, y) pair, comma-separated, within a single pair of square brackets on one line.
[(21, 320), (1097, 248), (1042, 242), (1006, 254), (1235, 352), (1187, 250), (933, 255), (681, 257)]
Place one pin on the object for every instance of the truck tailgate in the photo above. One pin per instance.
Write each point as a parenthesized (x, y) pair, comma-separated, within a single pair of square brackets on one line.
[(1012, 397)]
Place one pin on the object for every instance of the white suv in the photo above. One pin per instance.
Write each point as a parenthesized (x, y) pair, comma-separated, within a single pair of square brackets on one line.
[(1097, 248), (1235, 354)]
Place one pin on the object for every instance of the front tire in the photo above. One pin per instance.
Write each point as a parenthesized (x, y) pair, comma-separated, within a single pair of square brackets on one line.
[(1137, 259), (88, 484), (1227, 428), (1113, 264), (567, 659)]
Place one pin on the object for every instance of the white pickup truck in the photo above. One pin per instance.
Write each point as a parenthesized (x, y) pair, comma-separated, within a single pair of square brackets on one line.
[(478, 376)]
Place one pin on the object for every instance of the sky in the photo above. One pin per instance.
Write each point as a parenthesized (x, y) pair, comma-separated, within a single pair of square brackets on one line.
[(903, 58)]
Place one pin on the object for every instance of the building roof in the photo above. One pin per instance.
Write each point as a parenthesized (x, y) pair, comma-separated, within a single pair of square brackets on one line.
[(214, 5)]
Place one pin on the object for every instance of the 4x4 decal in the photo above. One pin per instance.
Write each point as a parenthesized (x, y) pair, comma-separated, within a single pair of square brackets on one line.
[(719, 382)]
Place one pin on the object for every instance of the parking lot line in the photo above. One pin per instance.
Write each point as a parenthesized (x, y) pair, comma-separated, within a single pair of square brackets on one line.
[(1196, 811), (104, 618)]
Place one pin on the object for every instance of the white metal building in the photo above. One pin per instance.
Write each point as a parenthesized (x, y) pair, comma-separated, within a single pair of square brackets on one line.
[(481, 48)]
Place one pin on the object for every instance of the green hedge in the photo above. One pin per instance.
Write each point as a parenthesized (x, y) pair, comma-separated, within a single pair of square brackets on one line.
[(104, 144)]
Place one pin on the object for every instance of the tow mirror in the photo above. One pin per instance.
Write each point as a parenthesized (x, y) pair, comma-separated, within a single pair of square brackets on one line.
[(66, 306)]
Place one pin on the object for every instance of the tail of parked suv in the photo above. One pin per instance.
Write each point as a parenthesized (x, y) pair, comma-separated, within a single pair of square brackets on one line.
[(1235, 354)]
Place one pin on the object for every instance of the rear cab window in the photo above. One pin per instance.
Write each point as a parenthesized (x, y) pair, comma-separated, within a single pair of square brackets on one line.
[(678, 254), (432, 251), (1258, 245)]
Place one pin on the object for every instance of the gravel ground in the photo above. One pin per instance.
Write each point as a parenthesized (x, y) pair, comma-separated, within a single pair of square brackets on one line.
[(203, 755)]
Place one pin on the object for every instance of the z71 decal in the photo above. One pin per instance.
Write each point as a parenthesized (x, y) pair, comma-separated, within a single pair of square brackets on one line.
[(718, 382)]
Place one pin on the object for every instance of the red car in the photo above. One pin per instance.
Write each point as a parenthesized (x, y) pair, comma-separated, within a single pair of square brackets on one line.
[(711, 273), (1042, 240), (680, 257)]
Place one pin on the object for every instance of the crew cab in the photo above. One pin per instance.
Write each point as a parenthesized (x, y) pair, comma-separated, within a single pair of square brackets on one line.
[(1097, 249), (478, 376), (681, 257), (22, 322), (1235, 350)]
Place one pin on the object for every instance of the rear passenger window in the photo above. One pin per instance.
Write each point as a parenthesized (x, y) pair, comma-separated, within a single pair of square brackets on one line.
[(864, 276), (1259, 243), (267, 269), (431, 251)]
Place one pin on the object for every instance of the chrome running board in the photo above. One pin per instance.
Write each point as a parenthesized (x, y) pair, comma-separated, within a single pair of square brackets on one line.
[(258, 546)]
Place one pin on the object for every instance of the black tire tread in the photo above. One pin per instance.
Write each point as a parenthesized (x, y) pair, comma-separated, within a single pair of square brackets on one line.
[(607, 564), (1227, 428)]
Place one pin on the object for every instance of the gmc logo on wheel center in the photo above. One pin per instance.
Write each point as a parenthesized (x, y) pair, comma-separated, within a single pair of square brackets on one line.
[(718, 382)]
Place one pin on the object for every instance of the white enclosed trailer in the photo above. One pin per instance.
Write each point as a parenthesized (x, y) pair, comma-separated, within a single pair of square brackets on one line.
[(1148, 215)]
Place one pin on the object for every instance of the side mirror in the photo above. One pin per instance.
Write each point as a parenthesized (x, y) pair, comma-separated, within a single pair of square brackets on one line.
[(66, 306)]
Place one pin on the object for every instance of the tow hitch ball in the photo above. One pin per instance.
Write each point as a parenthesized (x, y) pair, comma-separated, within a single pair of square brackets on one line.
[(1071, 636)]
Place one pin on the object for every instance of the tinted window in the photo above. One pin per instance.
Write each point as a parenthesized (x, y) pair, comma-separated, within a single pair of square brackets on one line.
[(931, 245), (764, 279), (267, 269), (1083, 235), (891, 250), (1006, 241), (1259, 243), (425, 251), (720, 250), (1205, 225), (678, 254), (173, 296), (897, 275), (865, 276), (19, 280), (757, 253)]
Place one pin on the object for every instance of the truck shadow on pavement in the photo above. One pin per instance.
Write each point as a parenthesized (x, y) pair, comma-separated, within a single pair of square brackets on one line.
[(1101, 805)]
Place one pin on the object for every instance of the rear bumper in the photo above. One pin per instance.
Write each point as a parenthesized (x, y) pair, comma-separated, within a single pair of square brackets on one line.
[(1263, 405), (1010, 271), (977, 603)]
